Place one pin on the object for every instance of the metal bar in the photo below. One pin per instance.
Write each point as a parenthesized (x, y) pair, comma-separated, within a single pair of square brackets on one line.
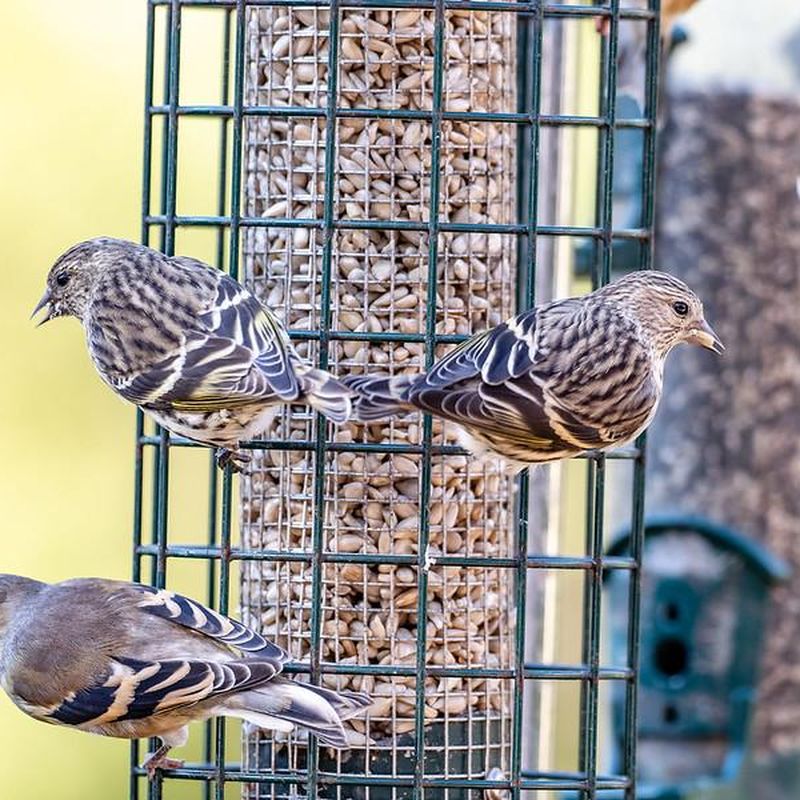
[(284, 112), (210, 736), (168, 187), (278, 556), (224, 598), (423, 562), (320, 443), (530, 672), (630, 732), (636, 234), (622, 454), (526, 7), (138, 474), (526, 281), (534, 781), (169, 200), (601, 275)]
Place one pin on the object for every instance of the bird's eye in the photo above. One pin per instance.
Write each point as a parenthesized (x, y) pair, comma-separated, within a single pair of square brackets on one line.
[(680, 308), (62, 279)]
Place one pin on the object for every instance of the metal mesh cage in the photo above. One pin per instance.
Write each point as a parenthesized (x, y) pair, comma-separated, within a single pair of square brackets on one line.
[(370, 608), (379, 186)]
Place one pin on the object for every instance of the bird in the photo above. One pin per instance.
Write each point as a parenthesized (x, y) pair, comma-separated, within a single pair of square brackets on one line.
[(567, 377), (186, 343), (130, 661)]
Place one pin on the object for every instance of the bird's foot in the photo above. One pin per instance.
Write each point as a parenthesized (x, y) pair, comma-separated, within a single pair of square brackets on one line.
[(602, 25), (159, 760), (236, 459)]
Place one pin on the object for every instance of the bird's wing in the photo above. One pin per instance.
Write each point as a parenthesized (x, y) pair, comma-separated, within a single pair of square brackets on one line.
[(103, 651), (518, 411), (497, 355), (494, 410), (190, 614), (134, 689), (236, 352), (497, 383)]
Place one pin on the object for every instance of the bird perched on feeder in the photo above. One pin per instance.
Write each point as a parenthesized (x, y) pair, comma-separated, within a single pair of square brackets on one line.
[(564, 378), (186, 343), (129, 661)]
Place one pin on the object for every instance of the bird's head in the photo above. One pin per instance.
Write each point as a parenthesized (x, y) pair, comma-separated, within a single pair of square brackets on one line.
[(71, 280), (667, 310), (14, 591)]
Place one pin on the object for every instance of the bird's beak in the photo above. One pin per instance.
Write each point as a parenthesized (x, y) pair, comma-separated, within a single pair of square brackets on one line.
[(43, 303), (704, 335)]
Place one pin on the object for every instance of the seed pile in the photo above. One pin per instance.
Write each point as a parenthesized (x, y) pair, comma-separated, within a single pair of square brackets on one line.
[(379, 284)]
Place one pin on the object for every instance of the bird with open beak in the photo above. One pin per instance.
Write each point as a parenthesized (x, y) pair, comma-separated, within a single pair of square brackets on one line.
[(186, 343)]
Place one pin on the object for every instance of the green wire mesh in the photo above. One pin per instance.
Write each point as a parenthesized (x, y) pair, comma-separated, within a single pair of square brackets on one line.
[(236, 225)]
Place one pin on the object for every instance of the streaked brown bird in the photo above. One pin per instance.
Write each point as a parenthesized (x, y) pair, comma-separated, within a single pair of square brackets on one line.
[(186, 343), (129, 661), (564, 378)]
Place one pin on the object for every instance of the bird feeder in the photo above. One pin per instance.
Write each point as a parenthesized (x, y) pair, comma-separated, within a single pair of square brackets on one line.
[(369, 591), (389, 181), (705, 598)]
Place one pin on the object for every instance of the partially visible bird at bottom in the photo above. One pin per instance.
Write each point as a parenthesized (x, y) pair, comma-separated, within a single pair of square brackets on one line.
[(186, 343), (129, 661), (564, 378)]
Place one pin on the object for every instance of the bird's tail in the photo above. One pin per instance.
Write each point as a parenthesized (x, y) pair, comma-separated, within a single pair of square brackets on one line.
[(379, 397), (282, 704), (327, 395)]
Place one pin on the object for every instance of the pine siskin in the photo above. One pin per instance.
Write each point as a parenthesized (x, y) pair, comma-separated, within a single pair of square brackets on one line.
[(185, 342), (564, 378), (124, 660)]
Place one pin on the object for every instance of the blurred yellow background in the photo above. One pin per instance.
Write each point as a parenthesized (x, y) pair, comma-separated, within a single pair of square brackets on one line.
[(70, 150)]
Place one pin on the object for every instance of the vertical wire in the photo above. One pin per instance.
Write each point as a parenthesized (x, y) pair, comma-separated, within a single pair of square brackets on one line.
[(165, 134), (224, 601), (526, 299), (584, 741), (226, 514), (138, 470), (320, 446), (210, 734), (437, 100), (161, 472), (630, 733), (601, 274)]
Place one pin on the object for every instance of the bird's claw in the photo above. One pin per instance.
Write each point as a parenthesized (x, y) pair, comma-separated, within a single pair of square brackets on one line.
[(236, 459), (602, 25), (159, 760)]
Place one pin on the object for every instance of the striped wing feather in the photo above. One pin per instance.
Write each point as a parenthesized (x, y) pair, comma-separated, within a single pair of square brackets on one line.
[(497, 355), (137, 689), (470, 384), (133, 689), (190, 614), (237, 353), (496, 384)]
